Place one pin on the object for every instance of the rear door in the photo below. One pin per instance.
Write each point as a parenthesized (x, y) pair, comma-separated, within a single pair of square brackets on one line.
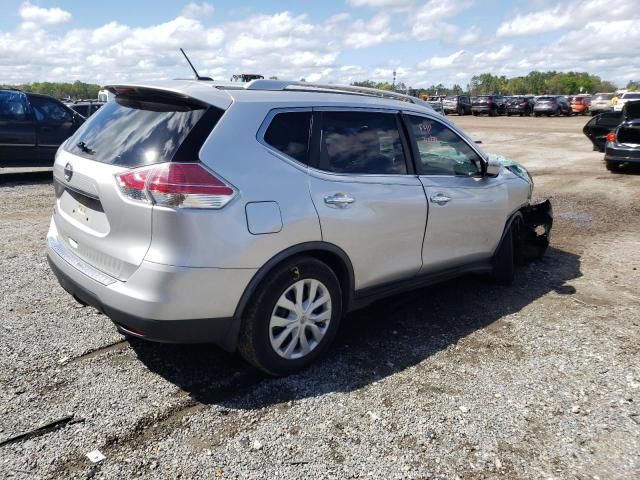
[(17, 130), (467, 211), (54, 124), (94, 219), (369, 202), (599, 127)]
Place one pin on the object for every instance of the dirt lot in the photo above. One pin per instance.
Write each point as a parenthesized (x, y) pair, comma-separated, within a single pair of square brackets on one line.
[(465, 380)]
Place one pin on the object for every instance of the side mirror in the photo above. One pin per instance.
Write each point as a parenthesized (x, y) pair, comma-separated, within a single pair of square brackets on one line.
[(493, 167)]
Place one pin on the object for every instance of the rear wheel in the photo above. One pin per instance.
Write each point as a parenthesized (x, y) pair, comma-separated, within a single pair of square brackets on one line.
[(293, 318)]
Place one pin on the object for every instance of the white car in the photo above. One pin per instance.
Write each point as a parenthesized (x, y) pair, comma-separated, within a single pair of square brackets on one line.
[(624, 98)]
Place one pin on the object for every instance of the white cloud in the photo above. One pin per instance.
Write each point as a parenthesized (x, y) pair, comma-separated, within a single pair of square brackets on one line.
[(362, 34), (569, 15), (34, 16), (387, 4), (294, 46), (197, 10)]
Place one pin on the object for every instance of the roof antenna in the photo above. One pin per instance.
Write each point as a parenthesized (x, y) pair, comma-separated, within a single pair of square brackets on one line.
[(198, 77)]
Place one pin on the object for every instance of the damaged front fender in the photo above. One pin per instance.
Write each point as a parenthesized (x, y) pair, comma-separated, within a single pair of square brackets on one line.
[(535, 232)]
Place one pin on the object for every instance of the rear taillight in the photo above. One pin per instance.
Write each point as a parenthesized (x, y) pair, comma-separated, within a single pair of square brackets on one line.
[(611, 137), (176, 185)]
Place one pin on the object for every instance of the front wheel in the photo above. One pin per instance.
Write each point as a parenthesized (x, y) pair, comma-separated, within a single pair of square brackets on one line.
[(293, 318), (504, 260)]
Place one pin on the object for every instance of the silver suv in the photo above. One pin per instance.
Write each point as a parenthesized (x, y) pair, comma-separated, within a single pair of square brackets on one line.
[(257, 216)]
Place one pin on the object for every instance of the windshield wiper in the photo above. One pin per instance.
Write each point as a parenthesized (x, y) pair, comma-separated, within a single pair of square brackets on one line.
[(85, 148)]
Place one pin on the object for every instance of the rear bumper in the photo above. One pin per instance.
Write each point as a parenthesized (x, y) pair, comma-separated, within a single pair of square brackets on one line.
[(614, 153), (158, 302)]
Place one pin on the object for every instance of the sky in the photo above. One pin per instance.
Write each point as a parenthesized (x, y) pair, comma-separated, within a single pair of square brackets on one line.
[(330, 41)]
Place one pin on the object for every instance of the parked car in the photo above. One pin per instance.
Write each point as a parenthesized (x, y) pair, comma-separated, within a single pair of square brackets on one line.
[(460, 104), (488, 104), (167, 224), (624, 98), (86, 108), (623, 144), (580, 104), (551, 105), (520, 106), (436, 105), (599, 127), (600, 103), (32, 127)]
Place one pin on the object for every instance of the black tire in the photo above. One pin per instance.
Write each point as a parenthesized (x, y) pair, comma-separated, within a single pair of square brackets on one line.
[(475, 114), (253, 342), (504, 259), (537, 114), (508, 114), (613, 166)]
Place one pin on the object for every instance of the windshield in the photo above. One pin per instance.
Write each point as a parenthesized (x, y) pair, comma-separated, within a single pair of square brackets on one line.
[(629, 96)]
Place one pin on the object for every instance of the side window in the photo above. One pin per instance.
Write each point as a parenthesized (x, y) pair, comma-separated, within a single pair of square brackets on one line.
[(13, 106), (361, 143), (47, 110), (289, 132), (441, 150)]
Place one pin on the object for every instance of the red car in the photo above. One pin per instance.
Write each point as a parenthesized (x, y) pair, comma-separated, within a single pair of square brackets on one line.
[(580, 104)]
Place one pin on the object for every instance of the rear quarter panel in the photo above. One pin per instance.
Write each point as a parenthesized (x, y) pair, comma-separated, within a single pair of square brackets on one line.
[(221, 238)]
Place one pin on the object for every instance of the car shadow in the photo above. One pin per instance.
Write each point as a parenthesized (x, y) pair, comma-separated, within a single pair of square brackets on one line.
[(373, 343), (24, 176)]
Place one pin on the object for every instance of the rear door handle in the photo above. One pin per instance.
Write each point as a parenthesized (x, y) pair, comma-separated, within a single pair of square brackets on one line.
[(340, 200), (440, 198)]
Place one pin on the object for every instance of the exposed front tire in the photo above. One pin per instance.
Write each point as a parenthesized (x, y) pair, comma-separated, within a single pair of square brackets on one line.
[(293, 317), (504, 261)]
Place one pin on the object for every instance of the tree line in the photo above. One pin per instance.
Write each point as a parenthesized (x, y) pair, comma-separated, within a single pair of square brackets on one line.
[(76, 90), (536, 83)]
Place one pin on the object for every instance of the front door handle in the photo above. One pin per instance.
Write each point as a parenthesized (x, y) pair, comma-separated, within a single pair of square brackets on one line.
[(340, 200), (440, 198)]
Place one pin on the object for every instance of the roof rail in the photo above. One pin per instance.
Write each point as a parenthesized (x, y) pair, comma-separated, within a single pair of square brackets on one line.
[(279, 85)]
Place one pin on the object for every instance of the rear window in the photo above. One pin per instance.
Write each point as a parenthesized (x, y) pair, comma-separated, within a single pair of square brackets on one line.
[(546, 99), (138, 131), (289, 133), (13, 106), (361, 143), (606, 96)]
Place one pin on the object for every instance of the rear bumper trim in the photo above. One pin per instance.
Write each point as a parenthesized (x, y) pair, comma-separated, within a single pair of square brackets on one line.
[(80, 265)]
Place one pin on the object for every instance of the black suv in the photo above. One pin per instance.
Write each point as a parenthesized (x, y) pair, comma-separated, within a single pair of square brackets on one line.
[(490, 104), (32, 127), (520, 106), (460, 104)]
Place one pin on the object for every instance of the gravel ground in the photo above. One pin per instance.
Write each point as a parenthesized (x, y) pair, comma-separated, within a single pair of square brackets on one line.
[(464, 380)]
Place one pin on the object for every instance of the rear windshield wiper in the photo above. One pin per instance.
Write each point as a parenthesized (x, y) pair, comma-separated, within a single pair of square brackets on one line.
[(85, 148)]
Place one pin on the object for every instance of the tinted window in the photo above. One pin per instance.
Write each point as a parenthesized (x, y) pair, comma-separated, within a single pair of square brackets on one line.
[(441, 150), (289, 133), (13, 106), (632, 109), (49, 110), (361, 142), (612, 119), (606, 96), (630, 96), (136, 131)]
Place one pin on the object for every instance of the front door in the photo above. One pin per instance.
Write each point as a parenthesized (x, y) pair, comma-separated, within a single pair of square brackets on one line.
[(55, 123), (368, 203), (467, 211)]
